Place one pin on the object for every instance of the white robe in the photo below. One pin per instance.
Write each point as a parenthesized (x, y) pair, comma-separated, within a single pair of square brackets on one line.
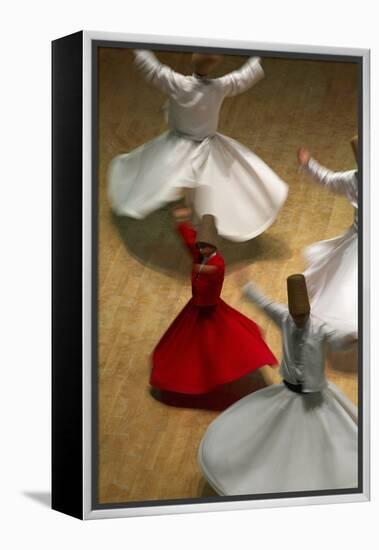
[(304, 350), (275, 440), (231, 182), (332, 265)]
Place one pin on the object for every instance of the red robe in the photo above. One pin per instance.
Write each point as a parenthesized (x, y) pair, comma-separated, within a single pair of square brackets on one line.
[(209, 343)]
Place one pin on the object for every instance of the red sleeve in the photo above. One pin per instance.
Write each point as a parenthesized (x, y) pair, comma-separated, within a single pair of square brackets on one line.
[(188, 234)]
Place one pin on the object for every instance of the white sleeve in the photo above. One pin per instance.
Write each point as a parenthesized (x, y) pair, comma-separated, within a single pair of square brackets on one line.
[(161, 76), (277, 312), (339, 182), (242, 79)]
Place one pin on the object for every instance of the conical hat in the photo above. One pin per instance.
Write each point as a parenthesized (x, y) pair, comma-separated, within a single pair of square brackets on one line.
[(204, 63), (298, 301), (354, 144), (207, 232)]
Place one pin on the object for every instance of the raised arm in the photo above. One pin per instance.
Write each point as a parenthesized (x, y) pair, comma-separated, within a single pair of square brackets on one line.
[(188, 235), (160, 75), (242, 79), (339, 182), (277, 312)]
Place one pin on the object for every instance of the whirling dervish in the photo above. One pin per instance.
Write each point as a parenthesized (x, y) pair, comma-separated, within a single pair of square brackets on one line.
[(209, 343), (332, 265), (299, 435), (232, 184)]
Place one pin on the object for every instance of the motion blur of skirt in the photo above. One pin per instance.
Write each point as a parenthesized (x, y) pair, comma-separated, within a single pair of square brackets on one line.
[(231, 182), (207, 346), (276, 440), (332, 280)]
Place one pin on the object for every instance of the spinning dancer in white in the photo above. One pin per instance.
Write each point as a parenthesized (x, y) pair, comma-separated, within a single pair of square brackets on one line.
[(300, 435), (234, 185), (332, 265)]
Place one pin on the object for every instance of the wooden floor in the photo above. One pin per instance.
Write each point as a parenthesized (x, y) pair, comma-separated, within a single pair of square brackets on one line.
[(147, 448)]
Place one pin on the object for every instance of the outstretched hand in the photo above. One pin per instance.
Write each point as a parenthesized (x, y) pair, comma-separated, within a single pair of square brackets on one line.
[(352, 338), (202, 268), (182, 214), (303, 156)]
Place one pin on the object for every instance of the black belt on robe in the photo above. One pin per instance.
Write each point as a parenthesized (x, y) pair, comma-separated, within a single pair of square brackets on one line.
[(297, 388)]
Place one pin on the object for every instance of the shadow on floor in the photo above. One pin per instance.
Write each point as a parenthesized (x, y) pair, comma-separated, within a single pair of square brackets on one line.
[(205, 490), (218, 400), (155, 242)]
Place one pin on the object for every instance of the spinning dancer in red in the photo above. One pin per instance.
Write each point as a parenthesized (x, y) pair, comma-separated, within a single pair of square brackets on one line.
[(209, 343)]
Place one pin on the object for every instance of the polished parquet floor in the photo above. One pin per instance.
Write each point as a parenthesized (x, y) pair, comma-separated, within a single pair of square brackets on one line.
[(147, 448)]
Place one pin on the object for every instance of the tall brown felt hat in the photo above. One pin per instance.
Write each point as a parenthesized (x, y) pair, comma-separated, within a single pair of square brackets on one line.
[(207, 232), (298, 301), (354, 145), (204, 63)]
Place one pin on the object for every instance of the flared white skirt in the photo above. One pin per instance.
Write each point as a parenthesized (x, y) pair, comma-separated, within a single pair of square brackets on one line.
[(275, 441), (231, 182), (332, 280)]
